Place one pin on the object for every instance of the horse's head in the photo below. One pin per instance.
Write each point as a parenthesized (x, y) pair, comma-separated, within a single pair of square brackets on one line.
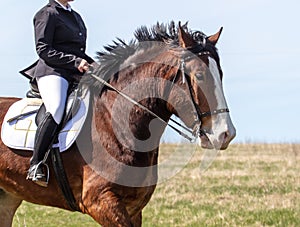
[(202, 74)]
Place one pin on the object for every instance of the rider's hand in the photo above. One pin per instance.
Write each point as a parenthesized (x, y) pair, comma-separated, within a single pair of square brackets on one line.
[(83, 66)]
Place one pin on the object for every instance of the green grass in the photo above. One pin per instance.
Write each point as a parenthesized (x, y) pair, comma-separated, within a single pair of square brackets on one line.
[(247, 185)]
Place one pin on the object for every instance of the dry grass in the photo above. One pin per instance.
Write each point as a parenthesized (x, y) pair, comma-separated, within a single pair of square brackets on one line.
[(247, 185)]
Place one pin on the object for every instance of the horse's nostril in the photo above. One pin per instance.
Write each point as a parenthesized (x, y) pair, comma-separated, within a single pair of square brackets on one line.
[(223, 136), (227, 135)]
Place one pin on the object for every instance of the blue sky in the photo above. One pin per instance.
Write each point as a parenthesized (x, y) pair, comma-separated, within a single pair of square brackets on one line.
[(259, 51)]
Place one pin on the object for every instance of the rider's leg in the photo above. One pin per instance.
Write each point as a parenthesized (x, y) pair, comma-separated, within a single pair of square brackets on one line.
[(53, 90)]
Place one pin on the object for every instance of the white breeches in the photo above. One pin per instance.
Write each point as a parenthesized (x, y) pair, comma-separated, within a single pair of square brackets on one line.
[(53, 90)]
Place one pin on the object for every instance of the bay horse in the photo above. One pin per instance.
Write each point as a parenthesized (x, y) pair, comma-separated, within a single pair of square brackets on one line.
[(112, 167)]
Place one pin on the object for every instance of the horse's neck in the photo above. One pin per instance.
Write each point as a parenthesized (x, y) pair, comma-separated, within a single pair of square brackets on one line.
[(128, 123), (131, 126), (123, 135)]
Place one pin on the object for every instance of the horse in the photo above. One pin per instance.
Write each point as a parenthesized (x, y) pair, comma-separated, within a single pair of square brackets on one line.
[(112, 168)]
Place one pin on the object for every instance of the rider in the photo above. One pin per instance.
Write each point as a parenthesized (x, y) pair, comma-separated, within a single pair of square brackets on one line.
[(60, 39)]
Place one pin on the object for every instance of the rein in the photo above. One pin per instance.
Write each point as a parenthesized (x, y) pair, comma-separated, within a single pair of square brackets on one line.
[(191, 139)]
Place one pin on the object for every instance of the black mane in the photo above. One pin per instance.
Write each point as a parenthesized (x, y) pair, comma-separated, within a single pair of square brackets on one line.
[(115, 54)]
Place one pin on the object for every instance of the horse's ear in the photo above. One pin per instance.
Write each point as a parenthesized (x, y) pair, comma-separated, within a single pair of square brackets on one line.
[(185, 39), (214, 38)]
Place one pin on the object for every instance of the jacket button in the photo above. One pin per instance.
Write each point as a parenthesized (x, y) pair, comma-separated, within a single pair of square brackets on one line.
[(80, 34), (82, 49)]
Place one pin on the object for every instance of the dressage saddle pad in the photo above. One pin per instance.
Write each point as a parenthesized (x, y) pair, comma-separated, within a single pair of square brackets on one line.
[(20, 133)]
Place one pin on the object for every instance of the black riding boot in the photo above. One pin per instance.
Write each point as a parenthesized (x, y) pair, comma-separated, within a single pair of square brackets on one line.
[(43, 140)]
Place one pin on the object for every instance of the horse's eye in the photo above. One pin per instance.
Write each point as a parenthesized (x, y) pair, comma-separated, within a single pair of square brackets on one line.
[(199, 76)]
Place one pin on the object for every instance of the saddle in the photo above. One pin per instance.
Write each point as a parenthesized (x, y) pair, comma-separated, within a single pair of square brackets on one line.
[(23, 117)]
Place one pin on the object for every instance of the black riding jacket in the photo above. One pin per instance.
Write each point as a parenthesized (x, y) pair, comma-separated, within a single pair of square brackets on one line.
[(60, 39)]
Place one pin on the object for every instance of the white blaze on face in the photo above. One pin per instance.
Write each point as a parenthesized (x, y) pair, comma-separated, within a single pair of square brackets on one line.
[(222, 130), (214, 70)]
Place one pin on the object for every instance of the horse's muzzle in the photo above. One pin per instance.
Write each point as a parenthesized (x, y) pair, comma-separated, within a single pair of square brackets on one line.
[(217, 139)]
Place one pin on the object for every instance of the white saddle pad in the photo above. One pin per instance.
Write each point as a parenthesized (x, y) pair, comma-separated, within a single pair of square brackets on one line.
[(19, 134)]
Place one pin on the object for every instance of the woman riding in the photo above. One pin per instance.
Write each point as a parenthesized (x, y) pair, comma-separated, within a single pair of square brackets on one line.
[(60, 39)]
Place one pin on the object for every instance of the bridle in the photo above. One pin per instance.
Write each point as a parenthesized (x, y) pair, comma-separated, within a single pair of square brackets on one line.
[(197, 131), (198, 115)]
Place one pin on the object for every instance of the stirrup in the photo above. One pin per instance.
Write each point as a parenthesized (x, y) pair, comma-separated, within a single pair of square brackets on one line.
[(39, 178)]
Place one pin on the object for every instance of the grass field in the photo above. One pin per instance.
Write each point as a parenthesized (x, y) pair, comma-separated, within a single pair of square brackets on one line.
[(247, 185)]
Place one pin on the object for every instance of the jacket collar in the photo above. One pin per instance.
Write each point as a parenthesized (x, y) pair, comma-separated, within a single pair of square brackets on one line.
[(58, 5)]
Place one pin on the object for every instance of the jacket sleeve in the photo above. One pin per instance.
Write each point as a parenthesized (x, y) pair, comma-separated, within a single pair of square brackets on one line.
[(44, 28)]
